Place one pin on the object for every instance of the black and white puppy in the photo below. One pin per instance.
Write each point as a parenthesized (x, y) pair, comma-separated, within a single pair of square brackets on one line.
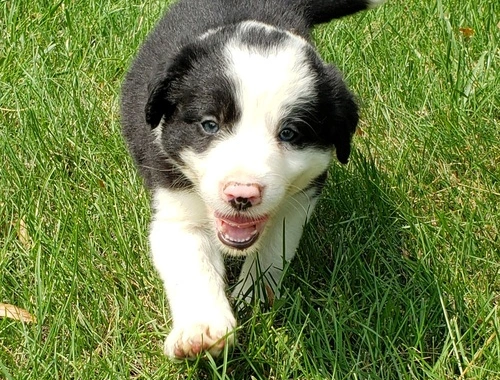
[(232, 119)]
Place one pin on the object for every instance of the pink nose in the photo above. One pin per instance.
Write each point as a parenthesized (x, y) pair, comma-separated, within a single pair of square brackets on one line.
[(242, 195)]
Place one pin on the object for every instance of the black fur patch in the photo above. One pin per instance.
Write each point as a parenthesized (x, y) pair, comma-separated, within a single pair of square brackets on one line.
[(199, 89), (263, 39), (330, 117), (317, 184)]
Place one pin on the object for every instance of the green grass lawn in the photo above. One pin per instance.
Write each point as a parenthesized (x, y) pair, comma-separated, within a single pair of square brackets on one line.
[(398, 275)]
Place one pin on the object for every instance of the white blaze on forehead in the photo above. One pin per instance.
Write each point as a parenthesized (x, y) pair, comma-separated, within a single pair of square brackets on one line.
[(269, 80)]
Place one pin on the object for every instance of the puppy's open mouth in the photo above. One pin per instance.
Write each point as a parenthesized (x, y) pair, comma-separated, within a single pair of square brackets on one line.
[(239, 231)]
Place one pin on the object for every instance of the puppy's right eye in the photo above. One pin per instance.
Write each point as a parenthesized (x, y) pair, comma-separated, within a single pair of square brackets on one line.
[(210, 127)]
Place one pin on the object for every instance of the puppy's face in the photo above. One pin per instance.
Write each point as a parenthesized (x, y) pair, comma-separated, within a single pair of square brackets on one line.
[(250, 115)]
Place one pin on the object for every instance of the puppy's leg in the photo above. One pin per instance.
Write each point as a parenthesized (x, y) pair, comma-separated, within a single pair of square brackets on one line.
[(192, 271), (262, 272)]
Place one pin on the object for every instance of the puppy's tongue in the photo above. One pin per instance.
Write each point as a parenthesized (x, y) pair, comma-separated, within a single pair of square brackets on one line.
[(239, 232)]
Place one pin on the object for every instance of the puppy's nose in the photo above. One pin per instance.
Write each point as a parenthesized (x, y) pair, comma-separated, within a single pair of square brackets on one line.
[(242, 195)]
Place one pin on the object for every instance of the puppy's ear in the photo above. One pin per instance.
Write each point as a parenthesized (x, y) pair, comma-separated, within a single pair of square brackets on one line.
[(167, 83), (159, 104), (342, 111)]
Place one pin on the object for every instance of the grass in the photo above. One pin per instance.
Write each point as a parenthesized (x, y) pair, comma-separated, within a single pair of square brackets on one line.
[(397, 275)]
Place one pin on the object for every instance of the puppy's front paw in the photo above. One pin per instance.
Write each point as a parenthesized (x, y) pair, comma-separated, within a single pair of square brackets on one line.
[(187, 342)]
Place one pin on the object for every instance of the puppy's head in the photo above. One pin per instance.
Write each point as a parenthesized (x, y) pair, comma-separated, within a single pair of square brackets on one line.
[(250, 115)]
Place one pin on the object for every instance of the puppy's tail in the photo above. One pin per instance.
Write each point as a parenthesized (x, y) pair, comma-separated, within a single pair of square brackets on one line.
[(320, 11)]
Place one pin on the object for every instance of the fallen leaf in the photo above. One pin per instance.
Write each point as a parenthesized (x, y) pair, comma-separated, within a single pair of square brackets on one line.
[(466, 32), (14, 312)]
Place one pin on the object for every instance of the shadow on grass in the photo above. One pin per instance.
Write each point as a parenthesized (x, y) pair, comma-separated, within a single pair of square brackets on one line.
[(371, 307)]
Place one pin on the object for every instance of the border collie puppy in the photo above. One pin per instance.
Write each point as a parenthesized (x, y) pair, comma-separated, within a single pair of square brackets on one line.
[(232, 119)]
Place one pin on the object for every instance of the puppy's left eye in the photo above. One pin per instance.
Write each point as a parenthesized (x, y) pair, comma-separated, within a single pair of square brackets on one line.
[(288, 134), (210, 127)]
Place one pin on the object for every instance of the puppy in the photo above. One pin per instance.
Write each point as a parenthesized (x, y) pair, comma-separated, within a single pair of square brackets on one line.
[(232, 119)]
